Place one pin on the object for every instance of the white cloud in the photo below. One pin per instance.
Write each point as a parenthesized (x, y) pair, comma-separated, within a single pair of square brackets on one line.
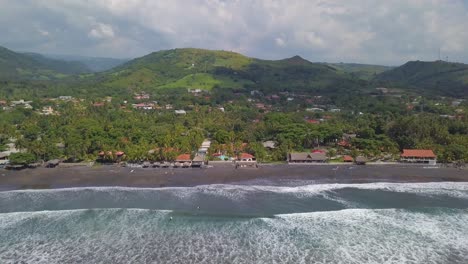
[(280, 42), (387, 32), (102, 31)]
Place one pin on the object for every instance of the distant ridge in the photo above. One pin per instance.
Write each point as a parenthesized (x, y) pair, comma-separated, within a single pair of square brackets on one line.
[(432, 77), (14, 65)]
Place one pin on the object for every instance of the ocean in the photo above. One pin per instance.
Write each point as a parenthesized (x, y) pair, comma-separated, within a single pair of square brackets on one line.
[(297, 223)]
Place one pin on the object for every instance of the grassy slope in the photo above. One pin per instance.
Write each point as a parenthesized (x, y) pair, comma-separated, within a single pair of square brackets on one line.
[(439, 77), (205, 69)]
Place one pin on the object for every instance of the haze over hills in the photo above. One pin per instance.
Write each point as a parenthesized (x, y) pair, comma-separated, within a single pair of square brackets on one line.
[(15, 65), (95, 64), (438, 77)]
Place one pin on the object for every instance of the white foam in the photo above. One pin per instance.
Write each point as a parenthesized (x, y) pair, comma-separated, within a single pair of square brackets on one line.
[(138, 236)]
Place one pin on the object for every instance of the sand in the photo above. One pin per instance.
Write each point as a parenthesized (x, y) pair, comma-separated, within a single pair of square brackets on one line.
[(112, 175)]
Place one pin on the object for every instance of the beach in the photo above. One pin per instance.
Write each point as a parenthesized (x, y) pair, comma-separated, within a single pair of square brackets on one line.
[(278, 174)]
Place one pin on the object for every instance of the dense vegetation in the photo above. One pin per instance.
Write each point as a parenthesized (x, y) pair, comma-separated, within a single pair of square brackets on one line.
[(440, 78), (26, 66), (260, 100)]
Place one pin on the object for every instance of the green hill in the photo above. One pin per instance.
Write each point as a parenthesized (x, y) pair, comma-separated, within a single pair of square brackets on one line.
[(206, 69), (361, 71), (14, 65), (437, 78)]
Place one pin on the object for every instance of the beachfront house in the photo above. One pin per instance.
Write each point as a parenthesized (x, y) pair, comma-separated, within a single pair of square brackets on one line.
[(53, 163), (4, 159), (305, 157), (418, 156), (246, 160), (183, 160)]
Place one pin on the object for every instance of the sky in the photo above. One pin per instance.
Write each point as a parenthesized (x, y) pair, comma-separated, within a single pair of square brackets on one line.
[(389, 32)]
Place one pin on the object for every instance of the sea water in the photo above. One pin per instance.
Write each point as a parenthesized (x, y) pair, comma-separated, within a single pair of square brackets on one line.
[(328, 223)]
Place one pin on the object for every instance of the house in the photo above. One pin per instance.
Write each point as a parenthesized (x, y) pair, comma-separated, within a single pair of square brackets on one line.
[(141, 96), (4, 158), (194, 91), (347, 158), (269, 144), (65, 98), (305, 157), (47, 110), (335, 110), (246, 160), (183, 160), (418, 156), (198, 161), (99, 104), (314, 109), (180, 112)]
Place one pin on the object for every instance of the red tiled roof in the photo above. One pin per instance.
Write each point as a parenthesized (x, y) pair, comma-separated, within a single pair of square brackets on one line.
[(419, 153), (312, 121), (119, 153), (344, 143), (347, 158), (183, 157), (318, 151), (246, 156)]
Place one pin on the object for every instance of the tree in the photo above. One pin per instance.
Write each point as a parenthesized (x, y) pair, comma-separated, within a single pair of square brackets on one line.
[(22, 158)]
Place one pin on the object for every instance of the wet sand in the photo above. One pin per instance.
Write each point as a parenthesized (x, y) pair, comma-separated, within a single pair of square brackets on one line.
[(44, 178)]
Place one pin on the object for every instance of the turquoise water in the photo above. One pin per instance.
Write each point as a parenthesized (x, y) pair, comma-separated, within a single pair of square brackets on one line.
[(368, 223)]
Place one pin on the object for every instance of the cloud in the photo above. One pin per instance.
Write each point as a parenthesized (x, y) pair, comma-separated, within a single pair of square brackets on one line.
[(102, 31), (368, 31)]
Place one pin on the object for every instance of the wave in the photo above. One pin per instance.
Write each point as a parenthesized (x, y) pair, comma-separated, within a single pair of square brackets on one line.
[(241, 199), (431, 235)]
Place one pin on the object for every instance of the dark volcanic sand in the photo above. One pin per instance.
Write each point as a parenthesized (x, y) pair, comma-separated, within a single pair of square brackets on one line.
[(44, 178)]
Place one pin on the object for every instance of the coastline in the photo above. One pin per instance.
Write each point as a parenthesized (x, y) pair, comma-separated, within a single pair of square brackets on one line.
[(267, 174)]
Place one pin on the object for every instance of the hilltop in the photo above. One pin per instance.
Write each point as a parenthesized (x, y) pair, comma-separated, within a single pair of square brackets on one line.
[(207, 69), (437, 77), (14, 65)]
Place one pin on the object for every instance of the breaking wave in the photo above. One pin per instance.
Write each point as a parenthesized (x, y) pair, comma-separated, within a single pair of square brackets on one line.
[(330, 223)]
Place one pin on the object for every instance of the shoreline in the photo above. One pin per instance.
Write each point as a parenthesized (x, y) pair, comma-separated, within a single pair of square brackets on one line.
[(270, 174)]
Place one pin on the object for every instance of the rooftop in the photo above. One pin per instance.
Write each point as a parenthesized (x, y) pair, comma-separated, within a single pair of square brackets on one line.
[(419, 153)]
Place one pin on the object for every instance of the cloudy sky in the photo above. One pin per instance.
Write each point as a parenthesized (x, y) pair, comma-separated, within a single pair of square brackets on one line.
[(387, 32)]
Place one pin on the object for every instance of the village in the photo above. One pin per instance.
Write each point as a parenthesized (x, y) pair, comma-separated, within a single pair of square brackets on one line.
[(315, 110)]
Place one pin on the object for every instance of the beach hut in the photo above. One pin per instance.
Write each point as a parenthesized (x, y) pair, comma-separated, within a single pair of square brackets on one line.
[(418, 156), (361, 160), (53, 163), (305, 157), (198, 161)]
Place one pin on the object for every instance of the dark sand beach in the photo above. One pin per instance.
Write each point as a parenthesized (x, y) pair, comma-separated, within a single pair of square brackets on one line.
[(111, 175)]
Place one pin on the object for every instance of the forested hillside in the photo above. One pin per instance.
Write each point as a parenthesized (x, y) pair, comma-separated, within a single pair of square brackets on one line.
[(361, 71), (437, 78), (205, 69), (24, 66)]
